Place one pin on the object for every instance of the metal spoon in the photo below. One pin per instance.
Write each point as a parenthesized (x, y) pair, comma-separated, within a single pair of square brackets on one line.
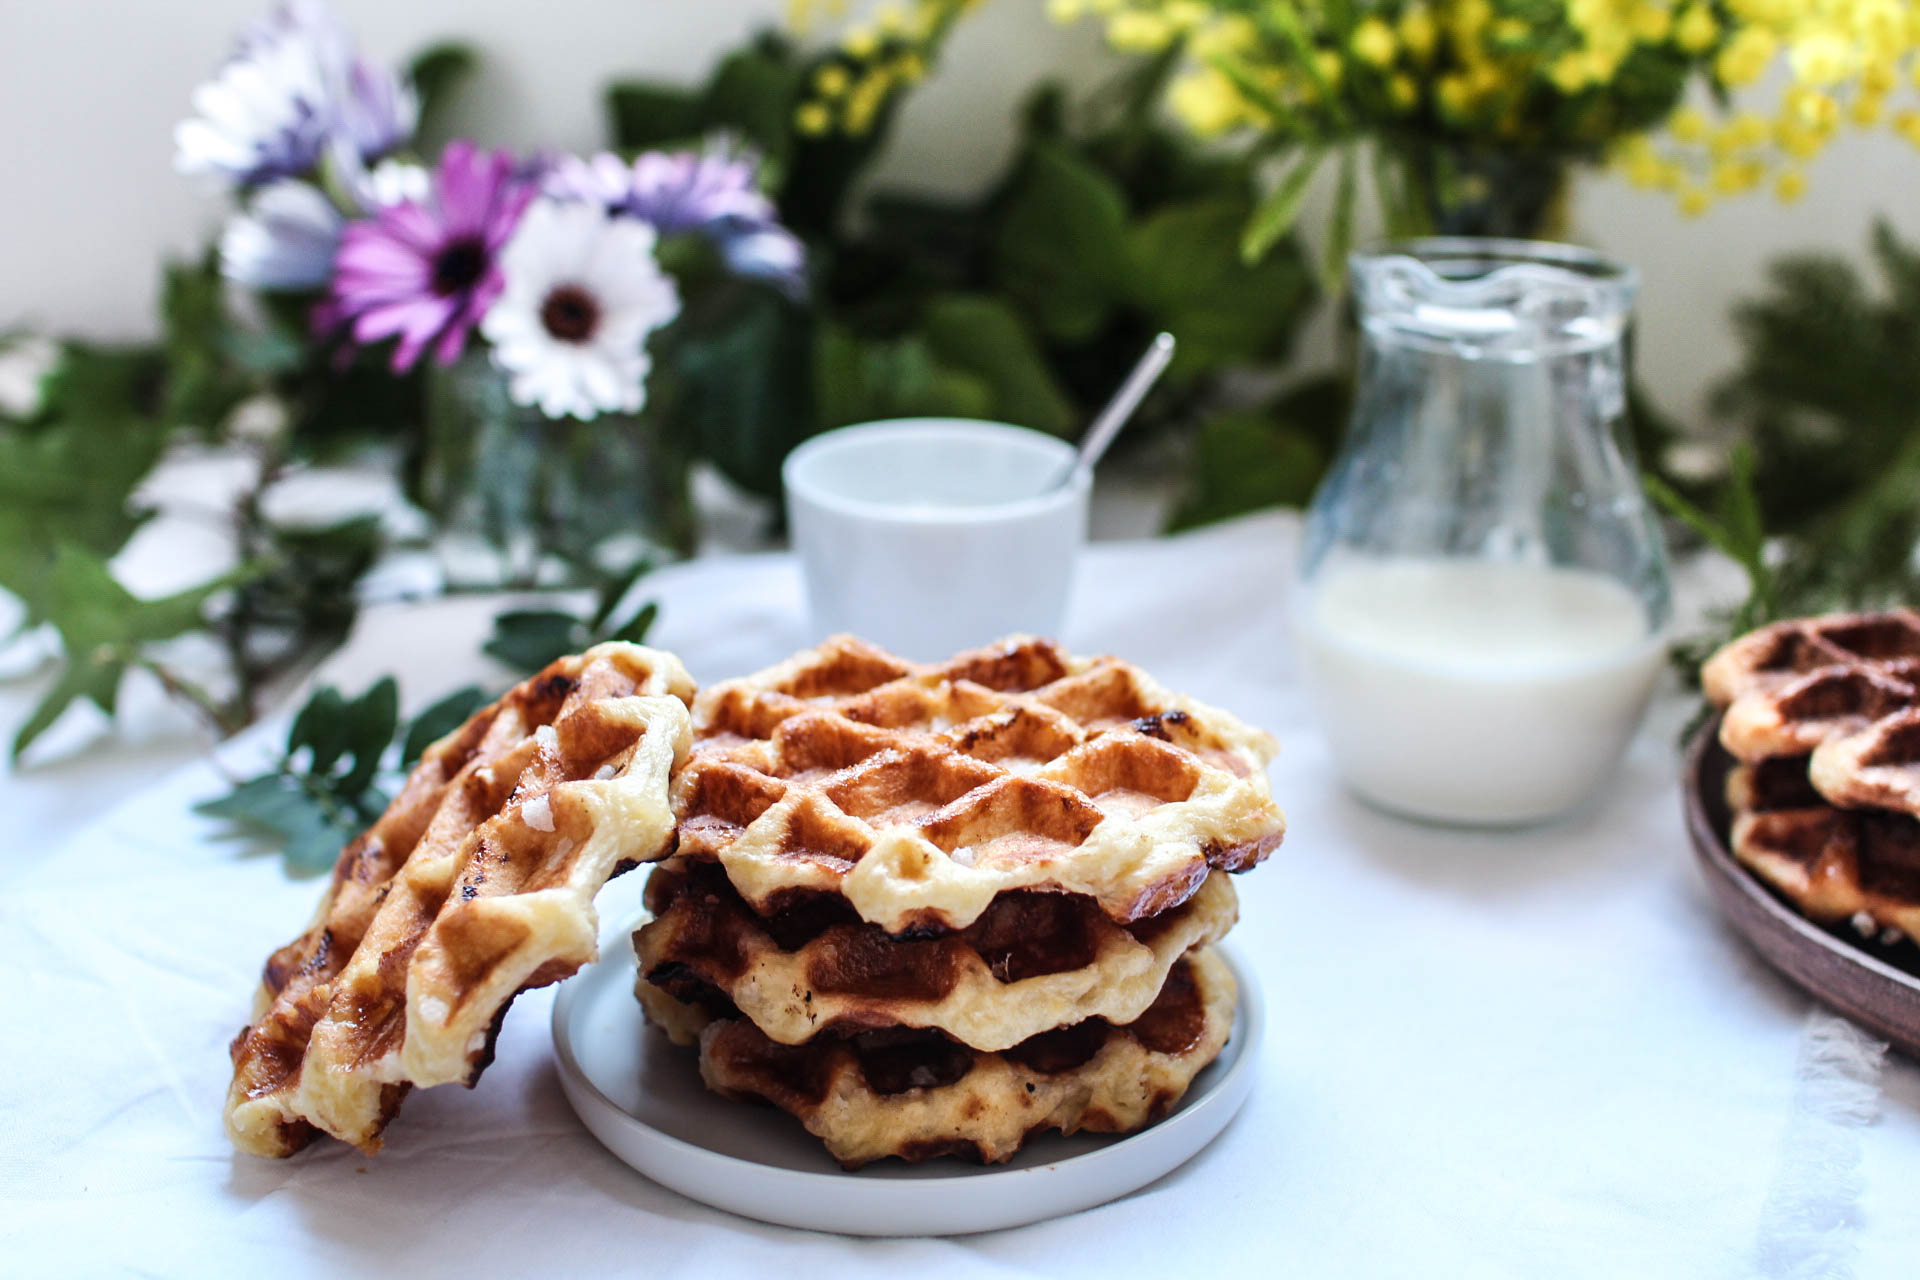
[(1120, 408)]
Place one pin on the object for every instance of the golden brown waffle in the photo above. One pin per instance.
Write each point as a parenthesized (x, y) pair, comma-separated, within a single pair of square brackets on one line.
[(1031, 962), (476, 884), (921, 792), (1791, 686), (1875, 767), (916, 1094), (1836, 865)]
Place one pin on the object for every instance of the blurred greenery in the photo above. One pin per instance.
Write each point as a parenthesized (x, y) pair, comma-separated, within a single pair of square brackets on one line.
[(1025, 303)]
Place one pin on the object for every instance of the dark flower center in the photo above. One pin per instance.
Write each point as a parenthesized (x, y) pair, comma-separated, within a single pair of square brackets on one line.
[(570, 313), (459, 265)]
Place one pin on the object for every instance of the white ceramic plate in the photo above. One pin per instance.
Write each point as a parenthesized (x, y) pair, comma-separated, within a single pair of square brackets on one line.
[(641, 1096)]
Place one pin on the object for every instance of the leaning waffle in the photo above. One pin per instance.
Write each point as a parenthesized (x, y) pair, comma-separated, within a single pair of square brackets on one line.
[(920, 792), (477, 883), (916, 1095), (1029, 963)]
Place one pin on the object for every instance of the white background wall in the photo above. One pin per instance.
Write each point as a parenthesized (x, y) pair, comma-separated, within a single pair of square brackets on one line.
[(90, 90)]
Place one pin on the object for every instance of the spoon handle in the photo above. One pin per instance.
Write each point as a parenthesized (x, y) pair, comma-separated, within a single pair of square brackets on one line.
[(1121, 407)]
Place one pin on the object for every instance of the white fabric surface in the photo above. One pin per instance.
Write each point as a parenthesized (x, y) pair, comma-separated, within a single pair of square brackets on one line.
[(1492, 1055)]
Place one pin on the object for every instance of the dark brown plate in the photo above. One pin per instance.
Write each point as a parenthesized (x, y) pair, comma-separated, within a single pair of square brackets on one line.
[(1831, 968)]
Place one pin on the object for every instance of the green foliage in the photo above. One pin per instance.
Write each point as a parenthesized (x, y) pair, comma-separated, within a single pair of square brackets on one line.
[(104, 630), (437, 72), (439, 720), (1821, 506), (529, 639), (322, 792), (1262, 458), (1026, 303), (1828, 388), (1061, 243)]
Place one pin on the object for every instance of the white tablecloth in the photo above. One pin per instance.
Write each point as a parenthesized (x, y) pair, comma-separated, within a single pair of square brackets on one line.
[(1492, 1055)]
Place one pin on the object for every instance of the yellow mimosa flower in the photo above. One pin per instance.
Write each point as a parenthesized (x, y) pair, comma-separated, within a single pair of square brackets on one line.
[(1694, 202), (831, 80), (1821, 58), (1206, 102), (1137, 31), (1688, 125), (1651, 23), (812, 119), (1790, 186), (1418, 32), (1696, 30), (1373, 42), (1746, 56)]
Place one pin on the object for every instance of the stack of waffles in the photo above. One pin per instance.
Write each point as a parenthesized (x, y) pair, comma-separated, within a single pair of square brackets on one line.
[(934, 909), (926, 909), (1823, 717)]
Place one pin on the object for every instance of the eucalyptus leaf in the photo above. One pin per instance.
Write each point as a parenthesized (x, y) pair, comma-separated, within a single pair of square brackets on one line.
[(439, 720), (528, 639)]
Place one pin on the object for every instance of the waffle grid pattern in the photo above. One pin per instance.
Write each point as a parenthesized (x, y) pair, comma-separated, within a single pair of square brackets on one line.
[(477, 883), (920, 792)]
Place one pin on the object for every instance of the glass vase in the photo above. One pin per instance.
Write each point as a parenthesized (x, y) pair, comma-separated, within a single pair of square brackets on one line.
[(522, 500), (1483, 593), (1459, 189)]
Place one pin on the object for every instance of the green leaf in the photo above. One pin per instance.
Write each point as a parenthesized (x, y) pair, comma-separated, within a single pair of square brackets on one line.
[(1061, 249), (754, 92), (437, 72), (1280, 209), (529, 639), (103, 628), (321, 794), (650, 115), (866, 380), (68, 482), (1183, 271), (203, 385), (634, 631), (1333, 265), (982, 335), (303, 820), (439, 720), (1246, 461), (745, 369)]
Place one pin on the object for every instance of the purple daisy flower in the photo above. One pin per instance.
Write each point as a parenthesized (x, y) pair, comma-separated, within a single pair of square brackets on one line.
[(712, 193), (425, 271)]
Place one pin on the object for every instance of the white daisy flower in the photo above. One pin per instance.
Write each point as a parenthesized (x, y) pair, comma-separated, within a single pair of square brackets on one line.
[(583, 292)]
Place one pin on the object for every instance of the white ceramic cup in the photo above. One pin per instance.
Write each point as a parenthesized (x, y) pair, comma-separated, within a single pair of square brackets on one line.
[(932, 535)]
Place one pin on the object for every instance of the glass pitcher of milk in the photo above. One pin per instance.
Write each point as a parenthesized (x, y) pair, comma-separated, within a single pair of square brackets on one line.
[(1483, 596)]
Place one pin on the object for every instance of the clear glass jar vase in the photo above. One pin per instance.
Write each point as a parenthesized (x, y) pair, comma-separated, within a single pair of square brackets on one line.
[(520, 499), (1483, 590)]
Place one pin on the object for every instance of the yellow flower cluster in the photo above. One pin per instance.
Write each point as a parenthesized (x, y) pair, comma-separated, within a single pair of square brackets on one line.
[(1598, 75), (1845, 61), (873, 60)]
